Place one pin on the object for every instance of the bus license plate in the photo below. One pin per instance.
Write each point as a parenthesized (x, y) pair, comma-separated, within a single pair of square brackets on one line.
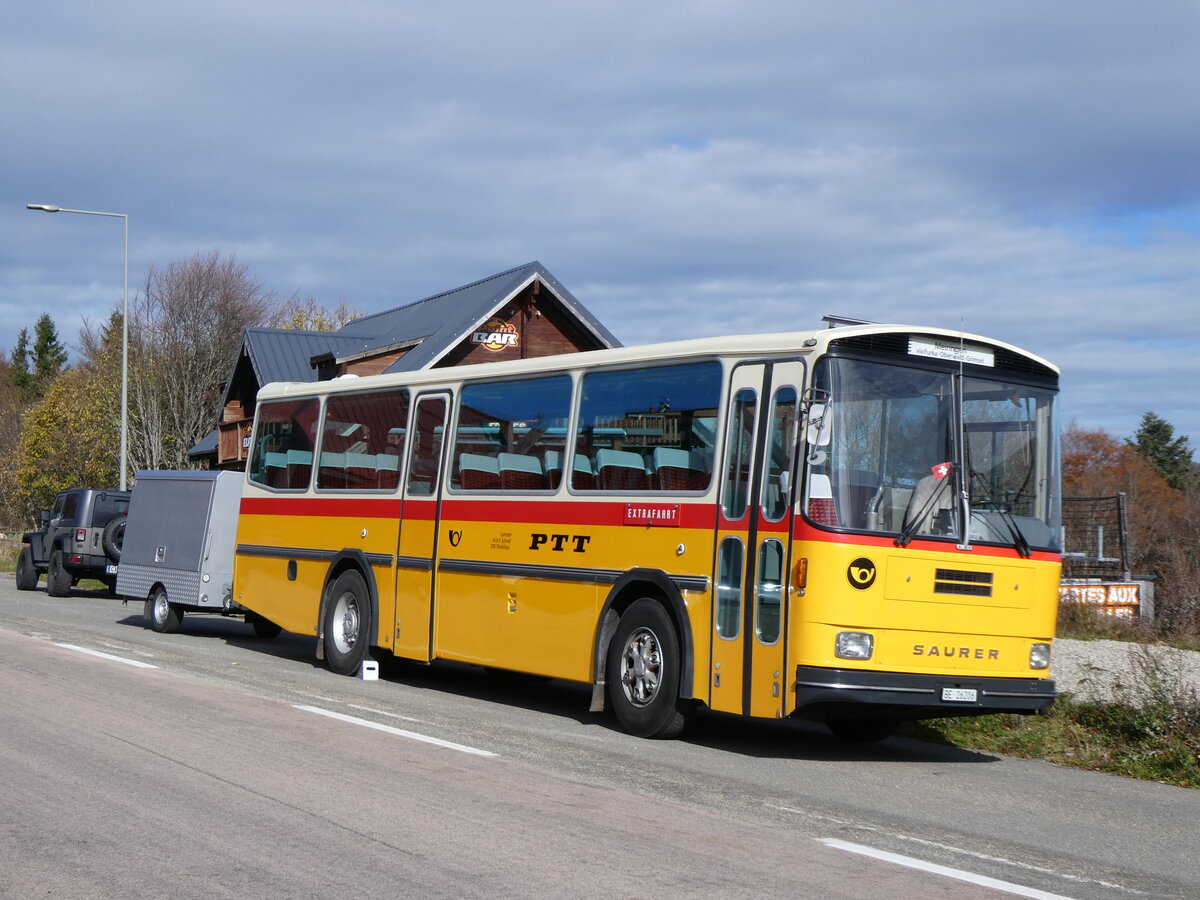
[(959, 695)]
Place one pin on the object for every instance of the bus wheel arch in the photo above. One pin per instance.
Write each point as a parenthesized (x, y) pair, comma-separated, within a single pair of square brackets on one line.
[(348, 612), (643, 656)]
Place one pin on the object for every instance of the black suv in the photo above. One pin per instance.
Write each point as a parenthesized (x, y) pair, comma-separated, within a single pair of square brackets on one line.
[(80, 538)]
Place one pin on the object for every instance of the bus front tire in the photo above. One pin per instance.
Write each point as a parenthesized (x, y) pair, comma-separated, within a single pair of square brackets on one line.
[(58, 579), (27, 573), (164, 616), (643, 669), (347, 623)]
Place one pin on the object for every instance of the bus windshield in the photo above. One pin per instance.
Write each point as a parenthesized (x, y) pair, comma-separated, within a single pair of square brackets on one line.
[(921, 452)]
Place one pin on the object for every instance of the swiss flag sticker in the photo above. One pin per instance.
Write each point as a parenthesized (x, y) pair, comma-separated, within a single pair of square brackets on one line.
[(941, 470)]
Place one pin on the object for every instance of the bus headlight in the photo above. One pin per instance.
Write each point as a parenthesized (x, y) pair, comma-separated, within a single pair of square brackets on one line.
[(1039, 656), (854, 645)]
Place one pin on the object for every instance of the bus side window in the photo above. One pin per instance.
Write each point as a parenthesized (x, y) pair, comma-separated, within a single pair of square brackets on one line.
[(729, 587), (506, 432), (647, 429), (426, 447), (361, 441), (285, 436), (738, 450)]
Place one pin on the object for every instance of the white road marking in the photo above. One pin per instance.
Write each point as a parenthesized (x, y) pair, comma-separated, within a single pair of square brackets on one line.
[(383, 712), (1016, 864), (121, 659), (388, 729), (945, 871)]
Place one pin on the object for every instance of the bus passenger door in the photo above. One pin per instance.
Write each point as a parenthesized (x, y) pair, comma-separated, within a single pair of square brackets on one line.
[(417, 548), (749, 636)]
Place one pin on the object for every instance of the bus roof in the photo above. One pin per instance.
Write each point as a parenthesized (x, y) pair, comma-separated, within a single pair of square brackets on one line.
[(793, 343)]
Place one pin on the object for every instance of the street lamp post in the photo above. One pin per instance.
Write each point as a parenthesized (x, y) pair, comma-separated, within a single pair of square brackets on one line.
[(124, 326)]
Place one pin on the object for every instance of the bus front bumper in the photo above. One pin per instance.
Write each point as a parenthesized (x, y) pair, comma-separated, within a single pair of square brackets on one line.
[(918, 696)]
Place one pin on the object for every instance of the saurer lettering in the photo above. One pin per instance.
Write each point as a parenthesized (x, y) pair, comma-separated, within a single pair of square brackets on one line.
[(955, 652)]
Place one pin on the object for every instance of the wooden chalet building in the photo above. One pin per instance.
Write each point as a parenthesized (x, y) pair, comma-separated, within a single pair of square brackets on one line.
[(518, 314)]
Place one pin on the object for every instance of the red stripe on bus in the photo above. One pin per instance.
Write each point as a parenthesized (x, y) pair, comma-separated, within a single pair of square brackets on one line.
[(500, 509)]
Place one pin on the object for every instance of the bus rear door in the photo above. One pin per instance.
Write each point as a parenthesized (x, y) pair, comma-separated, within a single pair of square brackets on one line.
[(419, 518)]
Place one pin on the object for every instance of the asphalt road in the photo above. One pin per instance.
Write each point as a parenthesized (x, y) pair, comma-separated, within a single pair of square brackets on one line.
[(211, 763)]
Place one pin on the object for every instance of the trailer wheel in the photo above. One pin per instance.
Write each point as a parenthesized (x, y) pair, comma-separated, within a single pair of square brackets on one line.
[(27, 573), (164, 616), (58, 579), (347, 623)]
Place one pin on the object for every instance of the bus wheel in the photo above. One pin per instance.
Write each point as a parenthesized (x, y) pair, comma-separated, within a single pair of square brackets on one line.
[(861, 730), (58, 579), (164, 616), (643, 672), (27, 573), (346, 625)]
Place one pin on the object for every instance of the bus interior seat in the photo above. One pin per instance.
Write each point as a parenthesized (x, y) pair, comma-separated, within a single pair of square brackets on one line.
[(331, 473), (519, 472), (361, 471), (299, 468), (679, 470), (620, 470), (388, 467), (478, 472)]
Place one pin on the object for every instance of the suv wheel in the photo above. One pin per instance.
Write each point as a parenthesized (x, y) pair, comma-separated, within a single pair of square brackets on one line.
[(27, 573), (58, 579)]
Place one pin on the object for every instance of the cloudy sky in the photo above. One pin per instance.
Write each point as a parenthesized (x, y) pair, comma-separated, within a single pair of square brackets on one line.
[(1028, 171)]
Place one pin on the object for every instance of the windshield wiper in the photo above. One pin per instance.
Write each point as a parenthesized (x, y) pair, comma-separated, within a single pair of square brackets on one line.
[(1010, 522), (913, 522)]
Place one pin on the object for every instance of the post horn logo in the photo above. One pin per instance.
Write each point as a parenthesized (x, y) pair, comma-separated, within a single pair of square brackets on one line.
[(496, 335), (861, 573)]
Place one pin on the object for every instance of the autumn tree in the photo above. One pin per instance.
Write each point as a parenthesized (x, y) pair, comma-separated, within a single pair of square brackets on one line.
[(308, 315), (184, 329), (1164, 523), (1169, 455), (67, 440)]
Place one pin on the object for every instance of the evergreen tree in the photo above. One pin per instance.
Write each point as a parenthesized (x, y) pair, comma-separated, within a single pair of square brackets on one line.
[(49, 355), (19, 374), (34, 368), (1169, 455)]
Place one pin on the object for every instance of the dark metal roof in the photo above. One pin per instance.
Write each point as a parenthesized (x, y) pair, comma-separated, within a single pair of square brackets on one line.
[(279, 354), (441, 321)]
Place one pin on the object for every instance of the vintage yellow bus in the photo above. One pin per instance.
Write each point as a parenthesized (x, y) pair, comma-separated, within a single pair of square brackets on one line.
[(859, 524)]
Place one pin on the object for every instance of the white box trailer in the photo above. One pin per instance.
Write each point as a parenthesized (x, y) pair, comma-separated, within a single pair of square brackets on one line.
[(177, 554)]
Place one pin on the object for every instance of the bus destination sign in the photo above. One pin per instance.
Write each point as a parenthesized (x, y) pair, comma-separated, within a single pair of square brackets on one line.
[(951, 351)]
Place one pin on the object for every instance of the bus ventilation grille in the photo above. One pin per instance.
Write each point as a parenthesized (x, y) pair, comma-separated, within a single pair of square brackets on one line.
[(965, 584)]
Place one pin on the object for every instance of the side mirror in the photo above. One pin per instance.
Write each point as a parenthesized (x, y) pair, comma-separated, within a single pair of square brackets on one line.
[(820, 429), (44, 516)]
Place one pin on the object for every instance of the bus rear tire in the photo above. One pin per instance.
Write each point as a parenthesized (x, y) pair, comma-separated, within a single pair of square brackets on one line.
[(346, 624), (263, 628), (860, 730), (643, 669), (165, 617)]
